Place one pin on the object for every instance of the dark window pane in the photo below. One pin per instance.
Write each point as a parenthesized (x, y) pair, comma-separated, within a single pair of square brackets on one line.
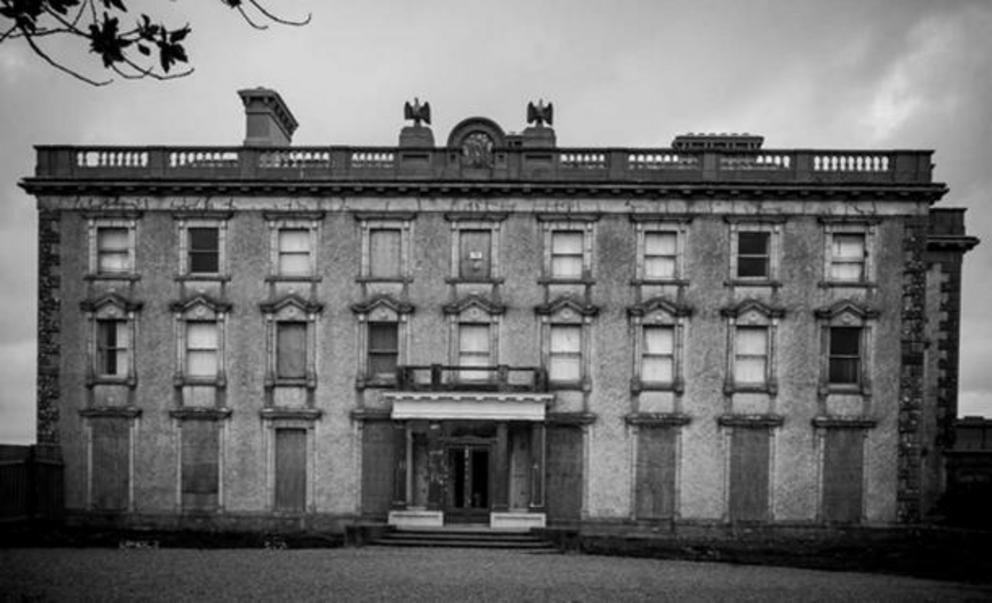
[(747, 267), (204, 253), (291, 349), (844, 370), (752, 243), (382, 364), (845, 341), (383, 346)]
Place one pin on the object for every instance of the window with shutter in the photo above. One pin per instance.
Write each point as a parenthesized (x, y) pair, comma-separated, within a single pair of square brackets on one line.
[(660, 255), (566, 254), (294, 252), (565, 357), (658, 355), (112, 348), (751, 355), (291, 350), (113, 249), (847, 257), (201, 349), (473, 350)]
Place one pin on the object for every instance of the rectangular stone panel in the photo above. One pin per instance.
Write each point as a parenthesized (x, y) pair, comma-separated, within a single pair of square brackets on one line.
[(377, 468), (843, 469), (749, 458), (111, 470), (656, 464), (564, 473), (291, 469), (200, 455)]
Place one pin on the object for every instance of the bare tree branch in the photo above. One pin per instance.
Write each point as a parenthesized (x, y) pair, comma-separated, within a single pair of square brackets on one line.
[(278, 19), (61, 67), (248, 20)]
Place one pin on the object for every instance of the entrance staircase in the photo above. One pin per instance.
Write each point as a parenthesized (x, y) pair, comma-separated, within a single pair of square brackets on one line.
[(465, 536)]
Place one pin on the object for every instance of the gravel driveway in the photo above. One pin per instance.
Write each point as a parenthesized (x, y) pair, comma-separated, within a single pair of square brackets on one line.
[(378, 574)]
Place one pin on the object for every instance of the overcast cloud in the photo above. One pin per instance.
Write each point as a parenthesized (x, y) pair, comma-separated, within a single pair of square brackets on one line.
[(841, 74)]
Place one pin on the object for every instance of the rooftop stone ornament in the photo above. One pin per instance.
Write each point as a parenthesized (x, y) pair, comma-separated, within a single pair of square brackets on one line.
[(540, 113), (417, 112)]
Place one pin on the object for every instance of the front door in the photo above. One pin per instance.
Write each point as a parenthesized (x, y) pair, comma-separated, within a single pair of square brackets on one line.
[(468, 490)]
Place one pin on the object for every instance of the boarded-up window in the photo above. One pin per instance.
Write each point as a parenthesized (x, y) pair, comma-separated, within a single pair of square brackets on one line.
[(847, 256), (113, 255), (658, 356), (377, 468), (660, 255), (845, 355), (564, 473), (201, 349), (751, 355), (566, 254), (291, 350), (474, 255), (200, 468), (204, 250), (291, 469), (112, 348), (843, 466), (473, 350), (656, 472), (111, 470), (753, 254), (294, 252), (384, 253), (383, 350), (565, 357), (749, 459)]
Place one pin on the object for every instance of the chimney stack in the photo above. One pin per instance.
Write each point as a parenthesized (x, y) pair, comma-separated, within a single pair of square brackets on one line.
[(268, 121)]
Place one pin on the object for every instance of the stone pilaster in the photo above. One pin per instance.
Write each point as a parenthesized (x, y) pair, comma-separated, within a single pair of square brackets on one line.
[(49, 309)]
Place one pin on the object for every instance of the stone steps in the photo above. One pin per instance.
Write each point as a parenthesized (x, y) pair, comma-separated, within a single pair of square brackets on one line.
[(476, 539)]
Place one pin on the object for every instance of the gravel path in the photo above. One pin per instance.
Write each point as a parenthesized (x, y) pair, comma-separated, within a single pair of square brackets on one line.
[(377, 574)]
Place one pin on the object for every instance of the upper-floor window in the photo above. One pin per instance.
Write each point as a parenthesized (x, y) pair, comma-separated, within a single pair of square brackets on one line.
[(751, 347), (754, 250), (385, 253), (383, 350), (753, 254), (566, 254), (847, 251), (293, 245), (660, 255), (475, 254), (845, 356), (204, 250), (294, 252), (112, 348), (113, 249), (565, 353), (473, 350)]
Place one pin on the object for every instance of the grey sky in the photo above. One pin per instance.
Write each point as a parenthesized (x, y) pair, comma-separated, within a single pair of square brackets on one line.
[(841, 74)]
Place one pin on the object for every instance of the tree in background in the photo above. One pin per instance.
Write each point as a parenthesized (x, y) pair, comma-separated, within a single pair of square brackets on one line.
[(146, 50)]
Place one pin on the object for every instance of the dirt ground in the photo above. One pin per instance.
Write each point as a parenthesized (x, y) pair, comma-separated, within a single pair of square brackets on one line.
[(384, 574)]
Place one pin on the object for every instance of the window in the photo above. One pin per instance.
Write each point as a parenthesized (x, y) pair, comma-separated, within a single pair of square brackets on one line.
[(383, 350), (847, 257), (473, 350), (753, 254), (566, 254), (845, 356), (658, 356), (113, 250), (565, 357), (112, 348), (291, 350), (201, 349), (475, 254), (751, 356), (203, 250), (384, 250), (294, 252), (660, 255)]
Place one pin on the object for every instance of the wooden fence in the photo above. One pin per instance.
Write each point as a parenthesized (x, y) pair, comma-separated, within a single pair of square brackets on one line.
[(30, 483)]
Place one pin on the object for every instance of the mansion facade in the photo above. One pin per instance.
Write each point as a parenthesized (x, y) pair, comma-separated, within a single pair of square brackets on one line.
[(496, 330)]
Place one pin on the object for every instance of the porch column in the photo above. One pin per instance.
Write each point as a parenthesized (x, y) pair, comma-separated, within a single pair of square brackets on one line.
[(400, 464), (435, 467), (501, 496), (537, 466)]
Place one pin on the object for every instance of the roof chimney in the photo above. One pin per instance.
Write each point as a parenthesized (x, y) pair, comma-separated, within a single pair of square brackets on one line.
[(268, 121)]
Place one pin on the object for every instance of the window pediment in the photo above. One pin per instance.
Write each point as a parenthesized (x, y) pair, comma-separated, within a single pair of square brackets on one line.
[(846, 310), (752, 310), (290, 305), (382, 308), (567, 308), (110, 305), (659, 308), (470, 307), (200, 307)]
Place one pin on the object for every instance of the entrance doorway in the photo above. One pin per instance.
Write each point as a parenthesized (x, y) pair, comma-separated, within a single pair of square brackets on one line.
[(468, 483)]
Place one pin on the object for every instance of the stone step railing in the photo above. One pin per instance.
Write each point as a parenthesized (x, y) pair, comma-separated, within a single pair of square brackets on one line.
[(517, 164)]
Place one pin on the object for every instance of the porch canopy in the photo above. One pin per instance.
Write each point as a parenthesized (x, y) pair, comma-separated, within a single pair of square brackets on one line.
[(489, 406)]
